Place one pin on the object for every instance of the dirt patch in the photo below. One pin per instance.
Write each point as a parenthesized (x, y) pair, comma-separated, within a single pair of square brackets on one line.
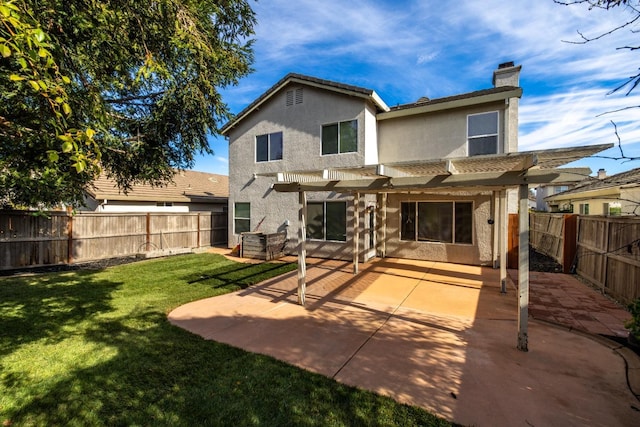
[(542, 263), (91, 265)]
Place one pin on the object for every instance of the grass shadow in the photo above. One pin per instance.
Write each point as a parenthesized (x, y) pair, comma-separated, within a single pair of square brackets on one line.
[(39, 307)]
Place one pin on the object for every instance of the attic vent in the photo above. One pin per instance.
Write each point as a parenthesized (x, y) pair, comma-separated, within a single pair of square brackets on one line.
[(297, 93), (423, 99)]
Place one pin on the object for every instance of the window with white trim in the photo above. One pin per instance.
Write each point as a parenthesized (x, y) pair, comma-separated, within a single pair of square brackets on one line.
[(341, 137), (482, 133), (444, 222), (327, 221), (269, 147), (241, 217)]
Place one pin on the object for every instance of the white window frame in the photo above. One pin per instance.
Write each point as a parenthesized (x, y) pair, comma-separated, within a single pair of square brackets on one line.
[(497, 134), (339, 123), (268, 135), (324, 220), (235, 217), (453, 223)]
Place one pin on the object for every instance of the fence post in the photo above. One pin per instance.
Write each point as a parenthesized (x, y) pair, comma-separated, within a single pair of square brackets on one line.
[(69, 238), (198, 235), (570, 234), (607, 249), (148, 245)]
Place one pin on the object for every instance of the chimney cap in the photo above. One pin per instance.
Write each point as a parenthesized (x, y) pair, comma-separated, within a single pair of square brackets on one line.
[(505, 65)]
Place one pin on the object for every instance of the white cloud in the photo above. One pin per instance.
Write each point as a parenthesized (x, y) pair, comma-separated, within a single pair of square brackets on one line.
[(408, 49), (576, 119)]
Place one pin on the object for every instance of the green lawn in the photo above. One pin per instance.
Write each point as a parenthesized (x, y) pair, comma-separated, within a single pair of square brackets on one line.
[(95, 348)]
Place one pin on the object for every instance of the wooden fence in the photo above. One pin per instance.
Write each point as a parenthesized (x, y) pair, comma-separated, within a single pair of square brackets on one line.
[(52, 238), (609, 255), (555, 236), (604, 250)]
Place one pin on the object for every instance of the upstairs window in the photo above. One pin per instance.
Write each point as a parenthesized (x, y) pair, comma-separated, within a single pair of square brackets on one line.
[(269, 147), (482, 133), (340, 137)]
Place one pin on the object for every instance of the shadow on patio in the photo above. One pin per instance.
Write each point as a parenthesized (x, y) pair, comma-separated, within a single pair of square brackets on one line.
[(435, 335)]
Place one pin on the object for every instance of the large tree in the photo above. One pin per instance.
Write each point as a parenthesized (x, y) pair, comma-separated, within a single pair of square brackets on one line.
[(131, 87)]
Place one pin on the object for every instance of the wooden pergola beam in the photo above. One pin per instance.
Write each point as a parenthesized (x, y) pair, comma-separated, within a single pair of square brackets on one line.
[(473, 181)]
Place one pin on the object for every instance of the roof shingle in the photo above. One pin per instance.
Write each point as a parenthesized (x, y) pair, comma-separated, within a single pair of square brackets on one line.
[(187, 186)]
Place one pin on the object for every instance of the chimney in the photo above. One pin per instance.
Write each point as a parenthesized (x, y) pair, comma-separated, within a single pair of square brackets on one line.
[(507, 74), (602, 174)]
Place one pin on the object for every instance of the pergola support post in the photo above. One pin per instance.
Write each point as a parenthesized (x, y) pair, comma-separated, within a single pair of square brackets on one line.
[(497, 228), (504, 232), (382, 243), (523, 267), (356, 231), (302, 250)]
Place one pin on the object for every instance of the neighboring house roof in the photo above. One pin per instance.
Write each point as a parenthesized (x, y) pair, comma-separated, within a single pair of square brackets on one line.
[(309, 81), (187, 186), (613, 182)]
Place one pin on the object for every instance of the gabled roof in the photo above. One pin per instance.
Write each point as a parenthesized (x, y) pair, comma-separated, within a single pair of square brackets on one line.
[(308, 81), (631, 177), (187, 186)]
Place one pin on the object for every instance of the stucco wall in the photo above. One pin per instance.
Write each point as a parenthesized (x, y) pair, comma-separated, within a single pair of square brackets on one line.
[(301, 125), (431, 136)]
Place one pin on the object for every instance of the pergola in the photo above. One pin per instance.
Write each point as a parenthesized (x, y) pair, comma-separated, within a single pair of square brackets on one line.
[(489, 173)]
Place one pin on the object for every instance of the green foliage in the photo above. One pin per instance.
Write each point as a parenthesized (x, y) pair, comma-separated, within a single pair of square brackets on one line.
[(128, 86), (92, 348), (633, 324)]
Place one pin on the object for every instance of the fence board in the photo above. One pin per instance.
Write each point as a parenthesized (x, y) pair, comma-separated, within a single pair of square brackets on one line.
[(609, 255), (554, 235), (28, 240)]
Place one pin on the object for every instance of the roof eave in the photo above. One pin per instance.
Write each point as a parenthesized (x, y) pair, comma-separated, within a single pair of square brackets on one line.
[(294, 78), (455, 103)]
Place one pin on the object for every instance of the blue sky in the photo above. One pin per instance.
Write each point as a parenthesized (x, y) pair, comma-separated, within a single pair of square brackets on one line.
[(408, 49)]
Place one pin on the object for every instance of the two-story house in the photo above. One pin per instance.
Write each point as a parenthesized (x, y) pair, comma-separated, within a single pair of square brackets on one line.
[(424, 180)]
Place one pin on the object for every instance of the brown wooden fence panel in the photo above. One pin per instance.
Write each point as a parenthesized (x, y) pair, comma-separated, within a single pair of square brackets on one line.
[(29, 240), (99, 236), (546, 234), (33, 240), (609, 254), (173, 231), (513, 240), (218, 231), (555, 236)]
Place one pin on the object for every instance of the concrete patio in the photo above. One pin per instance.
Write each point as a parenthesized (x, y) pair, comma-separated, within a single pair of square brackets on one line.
[(436, 335)]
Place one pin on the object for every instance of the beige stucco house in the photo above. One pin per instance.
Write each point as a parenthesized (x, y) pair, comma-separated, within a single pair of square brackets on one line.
[(345, 176), (613, 195), (307, 130)]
